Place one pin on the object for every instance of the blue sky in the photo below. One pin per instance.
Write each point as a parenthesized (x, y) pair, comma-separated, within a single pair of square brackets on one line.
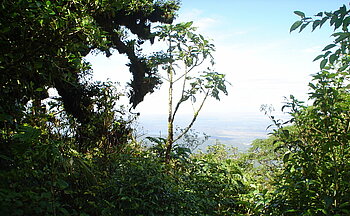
[(262, 60)]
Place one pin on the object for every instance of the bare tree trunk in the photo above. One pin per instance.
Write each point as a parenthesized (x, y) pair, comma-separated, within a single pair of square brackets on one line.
[(170, 138)]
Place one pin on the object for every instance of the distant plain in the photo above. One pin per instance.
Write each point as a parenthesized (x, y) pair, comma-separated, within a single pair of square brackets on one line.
[(235, 130)]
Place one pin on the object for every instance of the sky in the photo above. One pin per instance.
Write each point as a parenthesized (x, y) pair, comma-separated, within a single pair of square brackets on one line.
[(261, 59)]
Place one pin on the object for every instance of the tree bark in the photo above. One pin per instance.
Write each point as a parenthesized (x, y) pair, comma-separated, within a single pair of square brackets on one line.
[(170, 138)]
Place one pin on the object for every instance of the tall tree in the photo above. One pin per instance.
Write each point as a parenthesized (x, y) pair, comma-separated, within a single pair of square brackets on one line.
[(53, 153), (316, 167), (188, 62), (43, 43)]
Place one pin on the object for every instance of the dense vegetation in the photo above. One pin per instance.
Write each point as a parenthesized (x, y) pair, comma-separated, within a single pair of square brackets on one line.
[(75, 154)]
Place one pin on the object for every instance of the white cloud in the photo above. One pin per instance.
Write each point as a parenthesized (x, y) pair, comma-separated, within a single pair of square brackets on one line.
[(204, 23), (190, 15), (313, 50)]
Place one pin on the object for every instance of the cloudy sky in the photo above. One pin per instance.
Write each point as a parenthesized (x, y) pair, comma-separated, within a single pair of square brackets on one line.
[(262, 60)]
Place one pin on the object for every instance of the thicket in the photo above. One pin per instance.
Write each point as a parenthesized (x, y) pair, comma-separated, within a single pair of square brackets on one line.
[(75, 154), (309, 154)]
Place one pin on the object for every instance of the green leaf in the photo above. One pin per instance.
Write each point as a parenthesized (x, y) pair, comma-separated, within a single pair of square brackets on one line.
[(318, 57), (333, 19), (188, 24), (315, 24), (333, 58), (286, 157), (328, 201), (157, 140), (346, 21), (323, 63), (291, 210), (62, 184), (345, 204), (330, 46), (312, 86), (27, 134), (64, 211), (342, 68), (342, 10), (324, 19), (327, 53), (303, 26), (295, 25), (299, 13), (338, 23), (341, 37)]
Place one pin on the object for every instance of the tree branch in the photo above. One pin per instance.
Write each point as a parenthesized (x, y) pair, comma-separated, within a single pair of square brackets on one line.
[(182, 93), (193, 119), (189, 70)]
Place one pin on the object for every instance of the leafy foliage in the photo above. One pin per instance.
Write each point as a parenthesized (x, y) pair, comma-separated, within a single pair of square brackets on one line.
[(43, 44), (186, 52), (217, 182), (314, 178), (337, 51), (75, 154), (317, 161), (262, 163)]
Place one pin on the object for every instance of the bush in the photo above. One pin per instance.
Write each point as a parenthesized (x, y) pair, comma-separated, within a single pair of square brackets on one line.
[(315, 178)]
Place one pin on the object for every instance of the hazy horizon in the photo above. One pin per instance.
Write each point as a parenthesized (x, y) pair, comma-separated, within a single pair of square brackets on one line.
[(237, 130)]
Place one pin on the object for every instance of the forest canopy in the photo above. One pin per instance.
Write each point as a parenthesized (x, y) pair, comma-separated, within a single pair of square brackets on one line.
[(43, 44)]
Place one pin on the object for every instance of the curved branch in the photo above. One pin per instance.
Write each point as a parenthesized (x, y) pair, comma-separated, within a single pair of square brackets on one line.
[(182, 93), (189, 70), (193, 119)]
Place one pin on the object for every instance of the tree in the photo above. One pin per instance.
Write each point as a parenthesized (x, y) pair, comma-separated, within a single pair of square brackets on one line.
[(72, 154), (186, 52), (317, 161), (43, 44), (53, 151), (340, 20), (316, 165)]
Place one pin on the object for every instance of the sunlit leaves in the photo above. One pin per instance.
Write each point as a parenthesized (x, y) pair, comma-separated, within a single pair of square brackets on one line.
[(185, 45), (340, 20), (322, 134), (318, 147), (193, 49), (340, 36), (216, 83), (187, 51)]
